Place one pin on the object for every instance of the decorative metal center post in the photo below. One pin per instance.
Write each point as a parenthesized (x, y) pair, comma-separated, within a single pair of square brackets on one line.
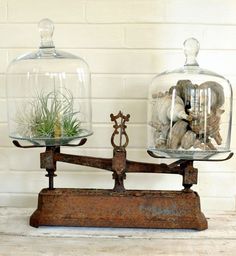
[(119, 151)]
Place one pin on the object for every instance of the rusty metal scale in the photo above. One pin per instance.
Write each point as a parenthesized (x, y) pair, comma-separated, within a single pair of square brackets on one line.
[(118, 207)]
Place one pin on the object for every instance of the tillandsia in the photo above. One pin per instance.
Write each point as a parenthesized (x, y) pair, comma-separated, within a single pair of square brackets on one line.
[(49, 115)]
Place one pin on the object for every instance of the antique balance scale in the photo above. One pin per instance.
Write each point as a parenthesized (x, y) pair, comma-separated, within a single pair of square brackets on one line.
[(189, 119)]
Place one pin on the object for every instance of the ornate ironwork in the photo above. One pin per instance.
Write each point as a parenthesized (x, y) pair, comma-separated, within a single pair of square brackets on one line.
[(120, 129)]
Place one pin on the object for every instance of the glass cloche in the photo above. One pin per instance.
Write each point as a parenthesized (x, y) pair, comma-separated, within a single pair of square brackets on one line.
[(189, 111), (48, 94)]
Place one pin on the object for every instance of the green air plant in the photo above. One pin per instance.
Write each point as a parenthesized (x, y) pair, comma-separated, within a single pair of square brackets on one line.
[(50, 116)]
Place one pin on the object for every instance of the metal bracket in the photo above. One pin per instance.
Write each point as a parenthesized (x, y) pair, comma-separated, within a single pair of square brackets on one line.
[(18, 145)]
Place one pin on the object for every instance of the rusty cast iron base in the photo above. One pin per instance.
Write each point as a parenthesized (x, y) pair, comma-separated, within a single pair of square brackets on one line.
[(129, 209)]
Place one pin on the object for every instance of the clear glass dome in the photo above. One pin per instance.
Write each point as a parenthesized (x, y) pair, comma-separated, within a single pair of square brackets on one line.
[(189, 111), (48, 94)]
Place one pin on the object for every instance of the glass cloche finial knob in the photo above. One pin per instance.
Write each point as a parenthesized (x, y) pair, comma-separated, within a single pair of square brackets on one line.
[(46, 28), (191, 49)]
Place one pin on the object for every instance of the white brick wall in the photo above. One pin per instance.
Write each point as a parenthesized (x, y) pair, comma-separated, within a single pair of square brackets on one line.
[(125, 43)]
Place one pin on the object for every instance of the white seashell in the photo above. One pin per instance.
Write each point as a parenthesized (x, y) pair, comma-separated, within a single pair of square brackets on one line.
[(169, 108), (176, 113)]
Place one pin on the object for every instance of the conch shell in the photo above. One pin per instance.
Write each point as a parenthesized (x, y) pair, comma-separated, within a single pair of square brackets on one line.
[(169, 108), (176, 134)]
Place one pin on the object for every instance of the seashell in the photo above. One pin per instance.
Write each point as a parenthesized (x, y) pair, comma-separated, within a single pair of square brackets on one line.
[(204, 146), (210, 145), (179, 88), (160, 143), (158, 95), (209, 126), (188, 139), (182, 86), (174, 90), (157, 138), (155, 124), (217, 137), (200, 145), (176, 134), (168, 108), (184, 89), (160, 135), (217, 99)]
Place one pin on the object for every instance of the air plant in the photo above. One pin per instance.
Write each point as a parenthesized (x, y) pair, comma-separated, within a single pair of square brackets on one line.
[(49, 116)]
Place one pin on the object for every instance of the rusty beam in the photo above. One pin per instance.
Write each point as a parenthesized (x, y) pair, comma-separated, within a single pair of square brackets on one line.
[(96, 162), (133, 166)]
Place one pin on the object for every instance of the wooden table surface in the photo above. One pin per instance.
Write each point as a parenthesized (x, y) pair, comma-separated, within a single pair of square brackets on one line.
[(18, 238)]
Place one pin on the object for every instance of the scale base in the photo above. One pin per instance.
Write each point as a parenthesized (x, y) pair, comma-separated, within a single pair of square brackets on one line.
[(129, 209)]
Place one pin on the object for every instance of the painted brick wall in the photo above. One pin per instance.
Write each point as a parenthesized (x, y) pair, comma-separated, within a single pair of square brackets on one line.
[(126, 43)]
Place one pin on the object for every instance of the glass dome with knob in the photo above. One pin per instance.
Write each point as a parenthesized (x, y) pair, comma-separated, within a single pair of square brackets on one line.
[(189, 111), (48, 94)]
